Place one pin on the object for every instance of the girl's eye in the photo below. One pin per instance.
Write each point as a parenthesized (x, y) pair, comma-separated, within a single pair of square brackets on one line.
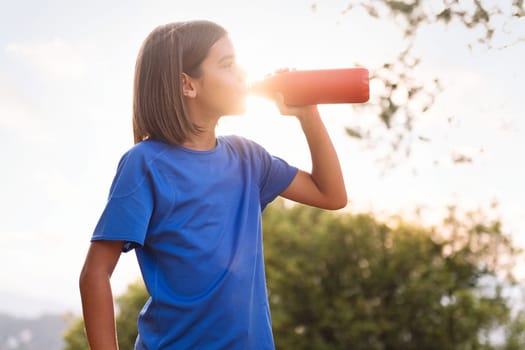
[(229, 64)]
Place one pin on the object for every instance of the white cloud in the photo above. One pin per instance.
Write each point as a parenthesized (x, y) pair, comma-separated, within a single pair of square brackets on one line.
[(20, 117), (54, 58), (14, 113)]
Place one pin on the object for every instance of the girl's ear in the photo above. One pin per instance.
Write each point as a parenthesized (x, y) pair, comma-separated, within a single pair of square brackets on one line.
[(188, 86)]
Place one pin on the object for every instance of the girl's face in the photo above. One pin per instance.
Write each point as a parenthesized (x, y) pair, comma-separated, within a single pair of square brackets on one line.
[(221, 88)]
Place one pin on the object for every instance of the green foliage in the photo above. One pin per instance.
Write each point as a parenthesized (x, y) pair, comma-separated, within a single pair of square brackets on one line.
[(128, 305), (349, 282), (515, 333), (75, 337)]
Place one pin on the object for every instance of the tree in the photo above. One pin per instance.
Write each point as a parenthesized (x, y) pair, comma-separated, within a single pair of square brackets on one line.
[(515, 333), (75, 337), (128, 308), (350, 282), (402, 97)]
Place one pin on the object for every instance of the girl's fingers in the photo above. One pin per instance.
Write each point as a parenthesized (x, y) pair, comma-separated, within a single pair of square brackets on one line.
[(282, 70)]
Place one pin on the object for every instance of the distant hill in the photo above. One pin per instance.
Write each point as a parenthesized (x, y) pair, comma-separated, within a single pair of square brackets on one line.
[(42, 333), (28, 306)]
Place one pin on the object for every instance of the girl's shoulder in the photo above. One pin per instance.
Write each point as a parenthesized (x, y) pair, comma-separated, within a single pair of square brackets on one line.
[(134, 166), (241, 144), (143, 154), (148, 147)]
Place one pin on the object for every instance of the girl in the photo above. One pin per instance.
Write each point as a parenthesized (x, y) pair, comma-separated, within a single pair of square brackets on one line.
[(189, 203)]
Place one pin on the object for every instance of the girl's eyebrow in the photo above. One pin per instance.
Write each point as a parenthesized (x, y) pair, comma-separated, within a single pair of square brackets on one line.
[(226, 58)]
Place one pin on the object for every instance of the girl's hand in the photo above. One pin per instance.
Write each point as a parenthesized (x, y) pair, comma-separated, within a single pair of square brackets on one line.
[(299, 111)]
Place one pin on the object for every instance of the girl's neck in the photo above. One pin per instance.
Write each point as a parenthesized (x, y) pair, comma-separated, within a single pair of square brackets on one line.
[(204, 141)]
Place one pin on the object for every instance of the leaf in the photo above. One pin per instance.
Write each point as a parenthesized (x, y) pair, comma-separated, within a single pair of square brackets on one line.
[(445, 15), (352, 132), (459, 158)]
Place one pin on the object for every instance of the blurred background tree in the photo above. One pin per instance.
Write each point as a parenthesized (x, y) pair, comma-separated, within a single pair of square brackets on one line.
[(342, 281), (400, 96), (75, 337)]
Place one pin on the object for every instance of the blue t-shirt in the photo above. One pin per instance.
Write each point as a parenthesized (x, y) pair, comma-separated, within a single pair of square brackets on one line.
[(194, 219)]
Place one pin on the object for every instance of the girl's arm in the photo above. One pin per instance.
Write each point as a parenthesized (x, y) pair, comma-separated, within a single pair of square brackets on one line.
[(324, 187), (97, 298)]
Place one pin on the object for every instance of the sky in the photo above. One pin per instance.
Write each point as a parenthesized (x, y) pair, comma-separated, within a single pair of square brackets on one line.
[(66, 71)]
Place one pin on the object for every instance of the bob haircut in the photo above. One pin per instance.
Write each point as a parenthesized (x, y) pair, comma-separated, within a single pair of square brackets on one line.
[(159, 111)]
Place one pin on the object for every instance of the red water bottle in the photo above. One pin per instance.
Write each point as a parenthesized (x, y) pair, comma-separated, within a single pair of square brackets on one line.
[(311, 87)]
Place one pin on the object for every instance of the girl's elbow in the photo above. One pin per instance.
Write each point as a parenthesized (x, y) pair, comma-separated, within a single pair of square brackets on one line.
[(337, 202), (339, 205), (83, 279), (87, 278)]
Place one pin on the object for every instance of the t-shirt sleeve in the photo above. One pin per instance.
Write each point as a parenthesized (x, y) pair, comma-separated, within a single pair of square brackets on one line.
[(129, 207), (276, 176)]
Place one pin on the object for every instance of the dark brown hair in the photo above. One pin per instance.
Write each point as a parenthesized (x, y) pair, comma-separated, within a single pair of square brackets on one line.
[(169, 50)]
